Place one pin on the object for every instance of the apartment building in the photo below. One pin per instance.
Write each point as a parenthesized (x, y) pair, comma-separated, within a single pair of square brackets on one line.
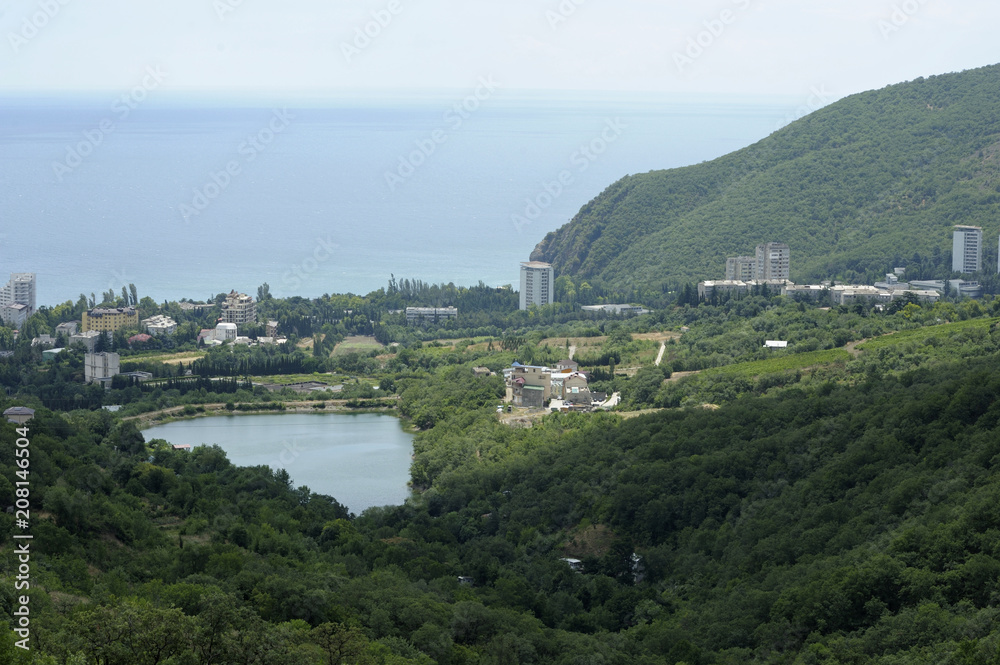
[(967, 249), (110, 319), (537, 284)]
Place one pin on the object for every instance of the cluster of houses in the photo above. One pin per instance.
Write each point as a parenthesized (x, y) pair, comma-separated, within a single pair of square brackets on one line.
[(563, 387), (924, 291)]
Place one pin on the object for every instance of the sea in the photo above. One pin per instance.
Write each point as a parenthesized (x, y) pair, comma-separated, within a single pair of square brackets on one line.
[(187, 197)]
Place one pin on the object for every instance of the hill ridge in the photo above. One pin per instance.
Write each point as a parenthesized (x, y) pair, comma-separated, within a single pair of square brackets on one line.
[(854, 188)]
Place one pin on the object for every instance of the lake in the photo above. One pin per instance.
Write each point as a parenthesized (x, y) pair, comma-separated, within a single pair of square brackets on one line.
[(362, 460)]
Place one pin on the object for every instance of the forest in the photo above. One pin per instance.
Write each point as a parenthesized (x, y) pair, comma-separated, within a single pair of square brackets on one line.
[(834, 502)]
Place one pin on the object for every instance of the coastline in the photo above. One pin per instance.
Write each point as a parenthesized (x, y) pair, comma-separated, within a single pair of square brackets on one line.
[(151, 419)]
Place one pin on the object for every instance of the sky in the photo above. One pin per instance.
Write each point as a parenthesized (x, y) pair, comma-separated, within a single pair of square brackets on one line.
[(318, 49)]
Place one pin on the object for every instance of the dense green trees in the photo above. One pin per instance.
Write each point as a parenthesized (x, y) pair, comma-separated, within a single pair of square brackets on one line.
[(834, 507), (846, 187)]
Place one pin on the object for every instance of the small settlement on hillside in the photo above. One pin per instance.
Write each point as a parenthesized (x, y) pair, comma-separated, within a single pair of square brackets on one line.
[(560, 388)]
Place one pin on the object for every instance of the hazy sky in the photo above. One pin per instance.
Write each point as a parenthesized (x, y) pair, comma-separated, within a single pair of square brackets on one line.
[(319, 47)]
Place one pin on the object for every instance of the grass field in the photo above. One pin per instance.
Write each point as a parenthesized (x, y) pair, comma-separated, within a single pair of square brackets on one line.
[(783, 363), (169, 358), (360, 344)]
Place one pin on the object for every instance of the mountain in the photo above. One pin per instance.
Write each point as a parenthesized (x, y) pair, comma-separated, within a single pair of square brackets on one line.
[(871, 182)]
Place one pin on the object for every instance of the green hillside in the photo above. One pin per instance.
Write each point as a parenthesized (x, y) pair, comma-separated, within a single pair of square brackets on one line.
[(851, 515), (854, 189)]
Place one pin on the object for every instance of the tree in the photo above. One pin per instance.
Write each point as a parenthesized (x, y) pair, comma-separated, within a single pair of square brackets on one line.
[(340, 644), (645, 384)]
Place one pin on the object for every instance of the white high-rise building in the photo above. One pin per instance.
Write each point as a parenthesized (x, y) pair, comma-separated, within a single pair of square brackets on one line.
[(967, 249), (537, 284), (17, 298), (771, 261)]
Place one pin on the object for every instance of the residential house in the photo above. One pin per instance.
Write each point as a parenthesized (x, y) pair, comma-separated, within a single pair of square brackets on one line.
[(528, 385)]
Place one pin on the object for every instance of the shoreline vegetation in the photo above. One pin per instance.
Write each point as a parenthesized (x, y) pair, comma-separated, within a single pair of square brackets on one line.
[(190, 412), (833, 499)]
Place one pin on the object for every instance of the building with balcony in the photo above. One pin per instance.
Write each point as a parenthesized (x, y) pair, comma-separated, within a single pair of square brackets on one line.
[(537, 284), (20, 290), (239, 308), (771, 261), (967, 249), (742, 268)]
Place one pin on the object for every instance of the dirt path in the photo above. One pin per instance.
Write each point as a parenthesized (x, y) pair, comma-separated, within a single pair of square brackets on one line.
[(851, 347), (659, 356), (677, 376)]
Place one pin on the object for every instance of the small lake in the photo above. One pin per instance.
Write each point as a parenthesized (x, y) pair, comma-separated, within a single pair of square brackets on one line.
[(360, 459)]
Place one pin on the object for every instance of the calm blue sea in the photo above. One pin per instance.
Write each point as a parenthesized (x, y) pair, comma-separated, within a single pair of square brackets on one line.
[(189, 201)]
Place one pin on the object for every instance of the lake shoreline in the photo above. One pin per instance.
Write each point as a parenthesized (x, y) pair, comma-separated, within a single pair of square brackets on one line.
[(144, 421), (357, 456)]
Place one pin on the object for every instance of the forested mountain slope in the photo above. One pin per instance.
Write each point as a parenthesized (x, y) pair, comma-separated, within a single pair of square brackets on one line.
[(851, 514), (854, 189)]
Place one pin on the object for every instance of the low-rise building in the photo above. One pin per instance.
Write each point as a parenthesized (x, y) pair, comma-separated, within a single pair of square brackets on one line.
[(101, 367), (68, 328), (965, 289), (619, 310), (848, 294), (88, 339), (226, 332), (572, 388), (223, 332), (49, 355), (528, 385), (141, 338), (19, 414), (709, 288), (43, 340), (924, 284), (15, 314), (418, 316), (810, 291), (110, 319), (159, 325), (195, 306), (922, 295)]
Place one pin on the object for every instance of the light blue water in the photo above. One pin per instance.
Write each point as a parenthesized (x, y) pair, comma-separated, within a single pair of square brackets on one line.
[(362, 460), (308, 208)]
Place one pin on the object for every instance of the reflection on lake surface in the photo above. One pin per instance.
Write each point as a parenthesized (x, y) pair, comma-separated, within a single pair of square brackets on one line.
[(362, 459)]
